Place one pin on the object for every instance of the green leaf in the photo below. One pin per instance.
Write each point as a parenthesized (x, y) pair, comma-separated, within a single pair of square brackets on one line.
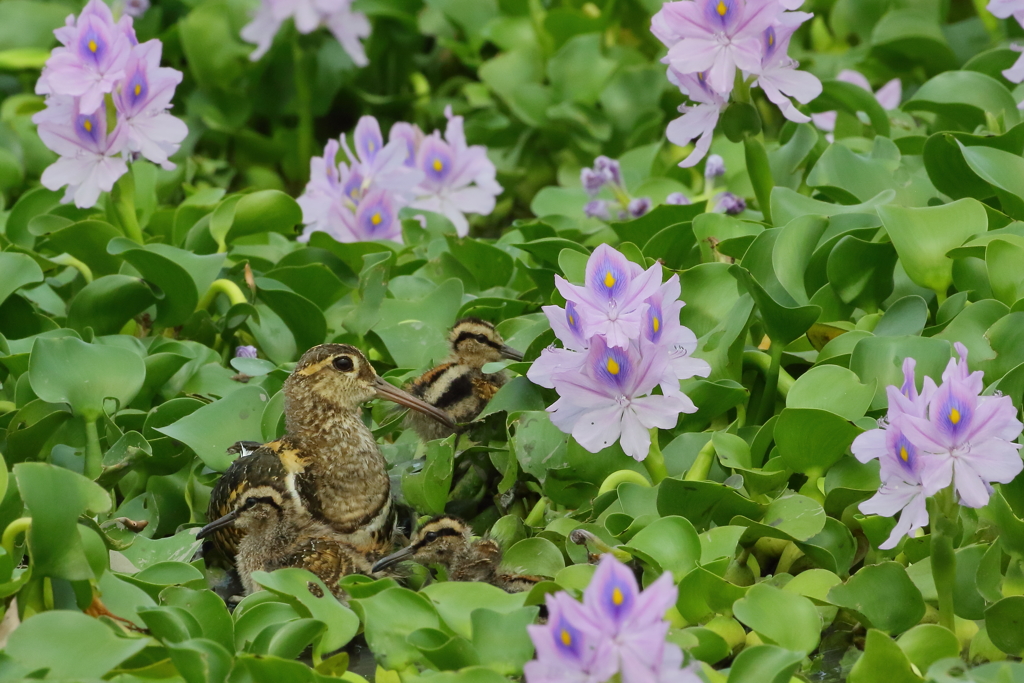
[(880, 359), (764, 664), (669, 542), (783, 323), (792, 517), (926, 644), (965, 97), (501, 638), (780, 617), (19, 270), (534, 556), (207, 608), (88, 647), (456, 602), (210, 430), (107, 303), (831, 388), (68, 370), (883, 596), (297, 585), (388, 617), (578, 72), (427, 490), (851, 98), (883, 660), (1005, 624), (1002, 260)]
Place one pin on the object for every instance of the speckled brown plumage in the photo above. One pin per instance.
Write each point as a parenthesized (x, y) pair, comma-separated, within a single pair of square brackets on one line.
[(446, 541), (328, 457), (458, 385)]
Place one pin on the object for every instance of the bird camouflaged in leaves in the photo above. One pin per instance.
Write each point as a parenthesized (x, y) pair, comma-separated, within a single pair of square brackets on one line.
[(328, 457), (280, 533), (459, 386), (446, 540)]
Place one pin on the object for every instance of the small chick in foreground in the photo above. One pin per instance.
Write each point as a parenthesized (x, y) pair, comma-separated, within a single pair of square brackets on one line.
[(458, 386), (445, 540), (280, 533)]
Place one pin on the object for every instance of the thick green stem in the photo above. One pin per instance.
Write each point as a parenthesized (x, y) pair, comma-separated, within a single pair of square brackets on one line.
[(655, 461), (93, 452), (763, 362), (536, 516), (69, 260), (18, 526), (304, 103), (760, 175), (225, 287), (612, 481), (943, 558), (123, 196), (771, 384), (7, 407), (702, 465)]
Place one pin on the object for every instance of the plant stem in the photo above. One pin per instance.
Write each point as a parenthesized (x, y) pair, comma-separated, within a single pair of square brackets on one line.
[(7, 407), (771, 383), (760, 175), (612, 481), (93, 453), (536, 516), (763, 362), (943, 558), (225, 287), (123, 196), (304, 102), (69, 260), (655, 461), (22, 524), (702, 465)]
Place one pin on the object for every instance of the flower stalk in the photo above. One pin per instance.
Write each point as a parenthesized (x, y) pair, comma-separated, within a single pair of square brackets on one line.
[(943, 557), (93, 452), (702, 465), (760, 175), (13, 530), (771, 383), (655, 461), (123, 198), (225, 287)]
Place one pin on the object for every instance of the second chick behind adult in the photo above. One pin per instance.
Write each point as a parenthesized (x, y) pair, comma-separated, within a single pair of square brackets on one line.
[(459, 386)]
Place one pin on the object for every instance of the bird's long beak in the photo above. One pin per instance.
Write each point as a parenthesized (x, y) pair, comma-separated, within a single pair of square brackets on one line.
[(510, 353), (392, 559), (392, 393), (225, 521)]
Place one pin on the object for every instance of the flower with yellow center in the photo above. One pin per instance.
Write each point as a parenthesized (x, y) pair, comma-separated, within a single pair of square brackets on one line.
[(954, 416), (438, 165), (613, 367), (617, 597), (904, 456), (376, 219), (609, 280), (656, 324), (566, 638), (93, 46), (721, 8), (87, 125), (138, 89)]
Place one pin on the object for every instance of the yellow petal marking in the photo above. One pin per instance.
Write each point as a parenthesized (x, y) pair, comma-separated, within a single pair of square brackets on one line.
[(93, 46), (771, 39), (438, 166), (954, 416), (617, 596), (613, 367), (656, 324), (376, 219), (609, 280), (566, 638), (138, 89), (904, 456), (721, 9), (87, 125)]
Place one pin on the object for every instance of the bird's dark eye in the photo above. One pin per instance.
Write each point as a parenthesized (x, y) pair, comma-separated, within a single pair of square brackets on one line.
[(250, 503), (343, 364), (430, 537), (482, 338)]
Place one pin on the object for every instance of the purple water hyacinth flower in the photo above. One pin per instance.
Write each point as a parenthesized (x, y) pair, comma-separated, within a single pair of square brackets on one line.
[(324, 187), (592, 181), (568, 646), (142, 100), (136, 8), (377, 217), (714, 167), (458, 178), (610, 302), (677, 198), (699, 120), (609, 400), (663, 332), (245, 352), (610, 169), (969, 436), (409, 135), (348, 27), (568, 328), (90, 160), (889, 96), (92, 59), (777, 74), (714, 36), (378, 165), (639, 206), (597, 208), (730, 204)]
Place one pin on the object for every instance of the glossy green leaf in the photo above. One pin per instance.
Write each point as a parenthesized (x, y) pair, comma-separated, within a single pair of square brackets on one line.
[(883, 596), (68, 370), (780, 618), (88, 647), (883, 660)]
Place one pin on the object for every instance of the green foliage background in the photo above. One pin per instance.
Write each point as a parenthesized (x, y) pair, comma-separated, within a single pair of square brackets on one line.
[(120, 392)]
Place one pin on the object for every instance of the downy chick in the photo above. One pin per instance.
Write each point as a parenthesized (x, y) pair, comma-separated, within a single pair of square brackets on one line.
[(328, 457), (280, 533), (446, 541), (459, 386)]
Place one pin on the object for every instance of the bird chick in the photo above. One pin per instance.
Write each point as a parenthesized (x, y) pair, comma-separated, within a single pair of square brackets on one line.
[(328, 458), (279, 533), (458, 386), (446, 541)]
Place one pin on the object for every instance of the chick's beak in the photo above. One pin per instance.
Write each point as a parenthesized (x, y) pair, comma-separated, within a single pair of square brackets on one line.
[(392, 559), (392, 393), (510, 353), (225, 521)]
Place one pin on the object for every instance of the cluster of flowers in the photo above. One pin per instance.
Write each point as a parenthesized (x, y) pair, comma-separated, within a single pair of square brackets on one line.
[(708, 40), (347, 26), (359, 201), (616, 630), (622, 338), (100, 63), (889, 96), (942, 435), (608, 174), (1004, 9)]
